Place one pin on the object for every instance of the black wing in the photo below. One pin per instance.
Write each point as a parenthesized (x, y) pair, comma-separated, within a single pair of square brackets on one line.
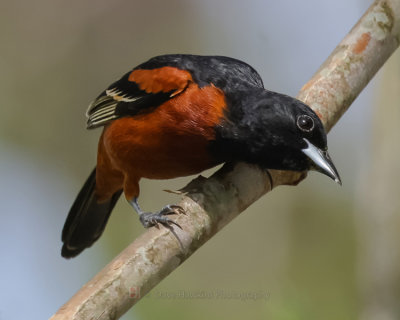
[(123, 98), (161, 78)]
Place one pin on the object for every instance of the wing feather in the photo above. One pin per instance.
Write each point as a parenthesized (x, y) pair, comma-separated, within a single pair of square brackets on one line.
[(136, 92)]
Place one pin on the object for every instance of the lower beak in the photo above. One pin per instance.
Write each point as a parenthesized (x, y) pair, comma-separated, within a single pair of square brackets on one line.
[(321, 161)]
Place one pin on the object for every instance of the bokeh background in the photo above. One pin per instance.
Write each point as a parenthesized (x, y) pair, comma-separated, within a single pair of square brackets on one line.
[(315, 251)]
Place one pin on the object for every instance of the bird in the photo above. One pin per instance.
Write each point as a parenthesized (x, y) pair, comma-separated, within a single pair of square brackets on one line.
[(176, 115)]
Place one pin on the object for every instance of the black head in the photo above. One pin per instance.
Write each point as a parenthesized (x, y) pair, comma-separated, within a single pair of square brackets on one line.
[(276, 131)]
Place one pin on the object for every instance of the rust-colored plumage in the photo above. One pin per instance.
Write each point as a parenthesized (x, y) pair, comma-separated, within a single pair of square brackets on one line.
[(163, 79), (169, 142)]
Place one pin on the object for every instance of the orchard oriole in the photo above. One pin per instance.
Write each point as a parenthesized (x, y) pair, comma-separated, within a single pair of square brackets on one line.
[(176, 115)]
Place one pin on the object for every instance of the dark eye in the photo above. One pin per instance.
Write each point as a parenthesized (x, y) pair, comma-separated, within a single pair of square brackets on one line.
[(305, 123)]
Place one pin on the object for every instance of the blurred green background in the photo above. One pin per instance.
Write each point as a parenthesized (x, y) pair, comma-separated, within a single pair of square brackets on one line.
[(316, 251)]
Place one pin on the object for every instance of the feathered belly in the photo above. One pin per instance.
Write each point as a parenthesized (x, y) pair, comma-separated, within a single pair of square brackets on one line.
[(171, 141)]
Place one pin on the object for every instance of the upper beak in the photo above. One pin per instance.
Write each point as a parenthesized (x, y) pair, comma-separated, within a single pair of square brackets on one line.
[(321, 161)]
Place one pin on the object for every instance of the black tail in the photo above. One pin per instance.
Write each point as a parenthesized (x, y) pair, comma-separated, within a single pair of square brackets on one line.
[(86, 220)]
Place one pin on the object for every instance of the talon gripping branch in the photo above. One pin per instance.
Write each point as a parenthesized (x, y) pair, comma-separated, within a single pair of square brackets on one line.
[(177, 115)]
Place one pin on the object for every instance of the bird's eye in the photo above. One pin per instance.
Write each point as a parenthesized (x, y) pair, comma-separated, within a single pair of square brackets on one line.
[(305, 123)]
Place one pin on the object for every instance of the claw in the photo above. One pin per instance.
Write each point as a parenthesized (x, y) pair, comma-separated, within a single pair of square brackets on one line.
[(150, 219), (172, 209), (175, 223), (178, 209)]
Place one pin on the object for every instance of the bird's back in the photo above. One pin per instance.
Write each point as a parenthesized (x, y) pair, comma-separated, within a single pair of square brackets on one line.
[(226, 73)]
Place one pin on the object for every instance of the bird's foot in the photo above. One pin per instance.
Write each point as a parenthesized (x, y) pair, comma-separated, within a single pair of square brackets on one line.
[(150, 219)]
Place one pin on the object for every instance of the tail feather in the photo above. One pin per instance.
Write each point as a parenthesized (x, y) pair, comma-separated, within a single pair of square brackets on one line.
[(86, 219)]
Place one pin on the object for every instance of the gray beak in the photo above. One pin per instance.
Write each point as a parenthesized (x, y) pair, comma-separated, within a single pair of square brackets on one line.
[(321, 161)]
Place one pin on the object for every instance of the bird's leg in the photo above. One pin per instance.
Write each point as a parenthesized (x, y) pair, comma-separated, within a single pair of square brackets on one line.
[(149, 219)]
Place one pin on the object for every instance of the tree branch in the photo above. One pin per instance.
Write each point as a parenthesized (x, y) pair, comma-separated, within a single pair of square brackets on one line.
[(211, 203)]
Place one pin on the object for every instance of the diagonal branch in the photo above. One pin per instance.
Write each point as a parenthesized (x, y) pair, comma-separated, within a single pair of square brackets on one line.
[(211, 203)]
